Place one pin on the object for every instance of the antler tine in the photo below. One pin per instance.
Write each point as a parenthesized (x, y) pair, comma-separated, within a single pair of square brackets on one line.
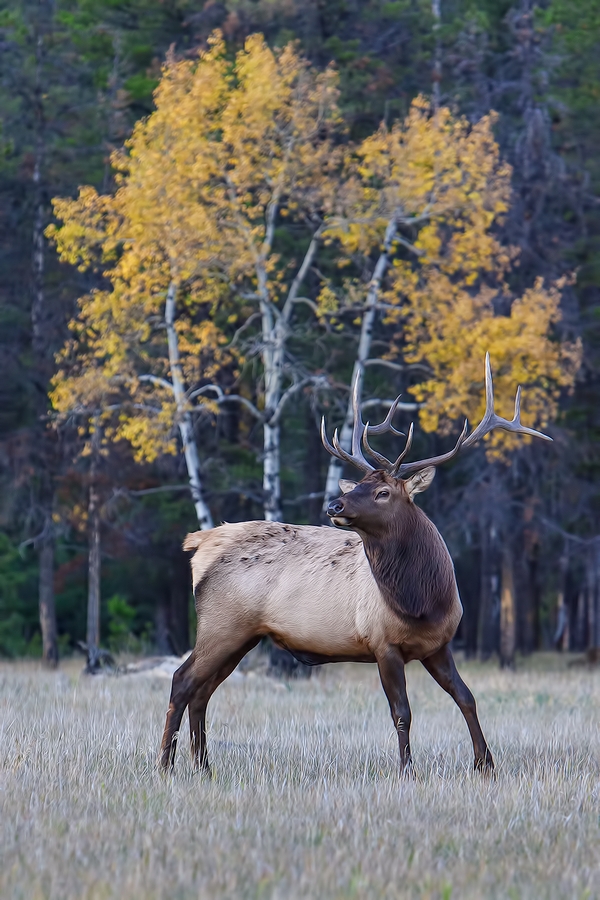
[(357, 425), (383, 461), (396, 467), (491, 420), (355, 459), (488, 423), (386, 425), (406, 469), (325, 441)]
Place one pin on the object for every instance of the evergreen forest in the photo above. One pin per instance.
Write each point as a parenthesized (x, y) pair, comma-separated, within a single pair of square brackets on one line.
[(218, 215)]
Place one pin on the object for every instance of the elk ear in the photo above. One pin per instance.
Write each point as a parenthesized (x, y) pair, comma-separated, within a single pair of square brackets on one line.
[(346, 486), (418, 483)]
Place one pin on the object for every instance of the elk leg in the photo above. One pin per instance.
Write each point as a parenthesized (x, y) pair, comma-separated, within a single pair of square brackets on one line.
[(391, 672), (197, 711), (182, 688), (442, 667), (199, 703)]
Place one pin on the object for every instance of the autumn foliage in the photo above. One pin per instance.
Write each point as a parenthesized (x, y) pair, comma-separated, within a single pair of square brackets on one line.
[(237, 149)]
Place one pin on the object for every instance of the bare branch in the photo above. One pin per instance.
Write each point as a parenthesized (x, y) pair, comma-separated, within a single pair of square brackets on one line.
[(308, 302), (376, 401), (315, 495), (301, 273), (584, 542), (317, 380), (243, 328), (222, 398), (384, 362), (410, 247), (159, 381), (155, 490)]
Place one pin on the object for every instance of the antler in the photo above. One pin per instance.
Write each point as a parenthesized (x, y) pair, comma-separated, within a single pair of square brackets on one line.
[(360, 431), (488, 423), (398, 469)]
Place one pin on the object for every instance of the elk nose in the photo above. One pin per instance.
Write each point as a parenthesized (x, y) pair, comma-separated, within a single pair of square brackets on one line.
[(335, 508)]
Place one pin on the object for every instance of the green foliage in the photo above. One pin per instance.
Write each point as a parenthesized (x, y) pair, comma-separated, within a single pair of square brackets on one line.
[(121, 616), (18, 601)]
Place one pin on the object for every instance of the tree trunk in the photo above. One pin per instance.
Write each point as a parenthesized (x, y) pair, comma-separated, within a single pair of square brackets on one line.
[(487, 637), (46, 601), (274, 340), (271, 474), (436, 75), (40, 346), (162, 638), (561, 635), (507, 611), (536, 600), (313, 467), (178, 622), (580, 621), (593, 625), (93, 610), (186, 428), (335, 471)]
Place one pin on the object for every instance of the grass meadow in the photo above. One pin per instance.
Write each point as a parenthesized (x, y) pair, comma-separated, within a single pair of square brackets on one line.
[(305, 801)]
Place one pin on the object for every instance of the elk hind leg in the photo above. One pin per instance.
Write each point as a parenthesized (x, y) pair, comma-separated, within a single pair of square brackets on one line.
[(199, 703), (182, 688), (393, 680), (442, 667)]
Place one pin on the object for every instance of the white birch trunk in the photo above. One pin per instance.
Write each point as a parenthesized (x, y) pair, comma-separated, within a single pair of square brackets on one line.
[(275, 331), (273, 338), (94, 554), (186, 429), (334, 472), (271, 474)]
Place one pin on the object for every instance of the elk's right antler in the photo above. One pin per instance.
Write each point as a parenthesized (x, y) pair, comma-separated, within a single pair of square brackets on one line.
[(400, 469), (488, 423)]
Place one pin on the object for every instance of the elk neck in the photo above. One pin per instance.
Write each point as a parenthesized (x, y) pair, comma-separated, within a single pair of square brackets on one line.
[(412, 566)]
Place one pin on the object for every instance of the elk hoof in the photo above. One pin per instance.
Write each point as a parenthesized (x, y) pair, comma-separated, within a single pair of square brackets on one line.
[(203, 771), (485, 765)]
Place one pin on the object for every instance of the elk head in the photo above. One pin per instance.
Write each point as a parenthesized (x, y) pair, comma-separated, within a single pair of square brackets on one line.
[(369, 505)]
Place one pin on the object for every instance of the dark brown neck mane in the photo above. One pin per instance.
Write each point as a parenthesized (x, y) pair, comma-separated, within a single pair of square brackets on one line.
[(412, 567)]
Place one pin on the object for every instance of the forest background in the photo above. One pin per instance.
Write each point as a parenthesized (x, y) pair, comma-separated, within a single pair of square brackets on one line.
[(96, 494)]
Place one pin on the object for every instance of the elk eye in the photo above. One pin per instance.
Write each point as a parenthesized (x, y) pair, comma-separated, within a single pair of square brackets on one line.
[(382, 494)]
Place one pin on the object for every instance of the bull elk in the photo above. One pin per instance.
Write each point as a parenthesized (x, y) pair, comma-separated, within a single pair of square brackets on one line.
[(384, 592)]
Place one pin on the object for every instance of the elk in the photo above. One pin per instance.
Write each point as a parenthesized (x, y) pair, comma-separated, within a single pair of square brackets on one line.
[(383, 592)]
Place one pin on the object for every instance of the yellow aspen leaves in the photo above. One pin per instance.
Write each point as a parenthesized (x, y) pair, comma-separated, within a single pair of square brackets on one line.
[(230, 144), (237, 147), (442, 180)]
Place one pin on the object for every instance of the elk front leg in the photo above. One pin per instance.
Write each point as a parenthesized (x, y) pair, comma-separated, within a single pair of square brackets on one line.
[(391, 672), (442, 667)]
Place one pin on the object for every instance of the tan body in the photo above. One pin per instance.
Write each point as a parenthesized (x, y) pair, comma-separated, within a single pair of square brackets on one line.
[(310, 589)]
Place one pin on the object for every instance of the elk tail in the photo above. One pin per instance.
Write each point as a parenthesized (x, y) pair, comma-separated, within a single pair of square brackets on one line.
[(193, 540)]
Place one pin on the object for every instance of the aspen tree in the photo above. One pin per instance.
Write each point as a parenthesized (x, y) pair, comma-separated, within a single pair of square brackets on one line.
[(230, 148), (422, 198)]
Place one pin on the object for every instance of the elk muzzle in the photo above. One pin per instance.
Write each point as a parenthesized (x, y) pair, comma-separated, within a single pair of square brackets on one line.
[(335, 511)]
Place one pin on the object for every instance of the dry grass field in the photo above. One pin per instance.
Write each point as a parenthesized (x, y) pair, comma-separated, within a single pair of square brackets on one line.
[(305, 801)]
